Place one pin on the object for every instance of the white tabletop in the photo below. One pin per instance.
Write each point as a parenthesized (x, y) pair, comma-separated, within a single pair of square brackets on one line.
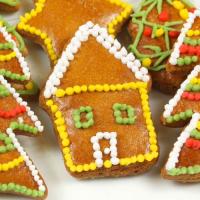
[(46, 155)]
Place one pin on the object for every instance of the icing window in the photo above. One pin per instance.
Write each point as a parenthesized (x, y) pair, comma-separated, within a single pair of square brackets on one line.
[(124, 114), (83, 117)]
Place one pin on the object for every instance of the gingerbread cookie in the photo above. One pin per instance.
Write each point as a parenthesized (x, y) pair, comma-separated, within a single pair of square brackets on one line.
[(53, 23), (97, 97), (9, 5), (154, 29), (18, 174), (13, 65), (181, 107), (186, 50), (184, 161)]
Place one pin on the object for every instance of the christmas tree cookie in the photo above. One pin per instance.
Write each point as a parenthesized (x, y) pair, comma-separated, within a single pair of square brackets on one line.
[(9, 5), (53, 23), (186, 50), (18, 174), (154, 28), (186, 101), (184, 160), (98, 103), (13, 65)]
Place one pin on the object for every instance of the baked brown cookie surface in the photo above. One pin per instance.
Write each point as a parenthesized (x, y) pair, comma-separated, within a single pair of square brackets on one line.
[(183, 164), (53, 23), (18, 174), (13, 65), (97, 98), (154, 29), (9, 5)]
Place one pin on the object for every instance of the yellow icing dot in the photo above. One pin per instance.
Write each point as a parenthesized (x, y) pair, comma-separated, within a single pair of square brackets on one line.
[(77, 89), (69, 91), (146, 62), (159, 32), (178, 5), (29, 85), (107, 164), (140, 158), (93, 166), (148, 157), (49, 103), (60, 93), (54, 108), (184, 14)]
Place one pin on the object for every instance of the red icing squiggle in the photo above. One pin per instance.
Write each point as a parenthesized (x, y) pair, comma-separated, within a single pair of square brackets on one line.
[(192, 143), (12, 113), (191, 96)]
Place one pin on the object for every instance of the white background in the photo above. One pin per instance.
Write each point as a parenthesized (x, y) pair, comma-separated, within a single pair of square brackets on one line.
[(46, 155)]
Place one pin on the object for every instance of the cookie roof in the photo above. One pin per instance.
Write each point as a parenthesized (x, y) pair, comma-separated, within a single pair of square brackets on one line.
[(107, 42)]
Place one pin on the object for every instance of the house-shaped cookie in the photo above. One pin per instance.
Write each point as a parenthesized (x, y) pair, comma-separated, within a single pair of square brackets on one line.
[(181, 107), (13, 65), (184, 161), (18, 174), (97, 97)]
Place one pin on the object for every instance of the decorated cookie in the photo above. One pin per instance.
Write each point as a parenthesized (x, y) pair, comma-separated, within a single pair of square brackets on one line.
[(154, 29), (18, 174), (184, 161), (12, 63), (181, 107), (187, 48), (9, 5), (53, 23), (98, 103)]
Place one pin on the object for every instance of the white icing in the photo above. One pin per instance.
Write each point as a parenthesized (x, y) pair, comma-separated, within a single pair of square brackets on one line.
[(168, 108), (174, 154), (112, 45), (19, 56), (188, 25), (112, 150)]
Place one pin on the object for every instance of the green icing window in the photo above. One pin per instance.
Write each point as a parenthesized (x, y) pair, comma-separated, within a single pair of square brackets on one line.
[(83, 117), (124, 114)]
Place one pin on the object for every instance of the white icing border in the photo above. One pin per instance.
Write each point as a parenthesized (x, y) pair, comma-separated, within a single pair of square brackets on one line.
[(17, 145), (174, 154), (19, 56), (168, 108), (188, 25), (107, 41)]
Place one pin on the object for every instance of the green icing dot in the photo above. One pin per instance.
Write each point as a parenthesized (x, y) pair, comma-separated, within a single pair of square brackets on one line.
[(180, 61)]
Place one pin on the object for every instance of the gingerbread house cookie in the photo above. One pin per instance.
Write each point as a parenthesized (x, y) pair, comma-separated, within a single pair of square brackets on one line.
[(154, 28), (97, 97), (9, 5), (181, 107), (184, 161), (18, 174), (13, 65), (53, 23)]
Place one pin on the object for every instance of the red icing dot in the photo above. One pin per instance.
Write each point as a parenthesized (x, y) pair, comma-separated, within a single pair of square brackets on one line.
[(164, 16), (197, 96), (147, 31), (192, 50), (183, 48), (191, 10), (174, 34)]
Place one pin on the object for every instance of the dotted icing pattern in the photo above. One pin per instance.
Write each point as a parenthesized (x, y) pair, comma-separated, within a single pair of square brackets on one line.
[(189, 91), (10, 143), (190, 138), (23, 25), (63, 135), (187, 43), (52, 91), (166, 29)]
